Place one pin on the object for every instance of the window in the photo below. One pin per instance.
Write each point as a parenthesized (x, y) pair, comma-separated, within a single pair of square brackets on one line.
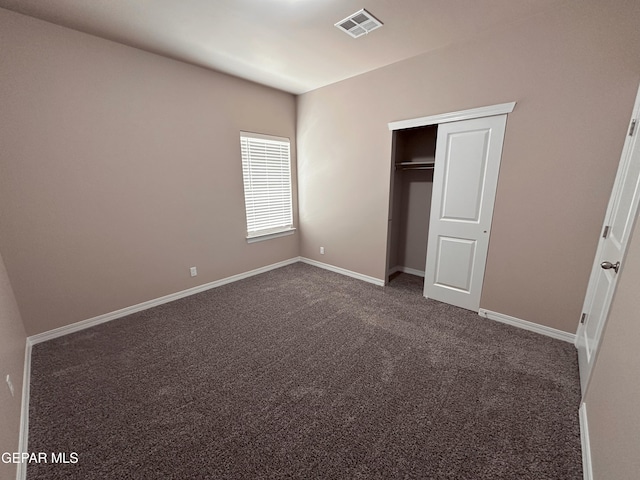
[(266, 169)]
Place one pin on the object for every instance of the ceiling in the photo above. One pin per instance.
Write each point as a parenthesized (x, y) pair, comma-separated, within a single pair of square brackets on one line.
[(291, 45)]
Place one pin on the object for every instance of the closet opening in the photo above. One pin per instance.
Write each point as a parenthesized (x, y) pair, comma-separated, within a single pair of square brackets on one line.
[(443, 180), (412, 164)]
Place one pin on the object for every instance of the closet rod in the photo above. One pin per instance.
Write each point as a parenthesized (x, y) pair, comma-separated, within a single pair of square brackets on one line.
[(415, 167)]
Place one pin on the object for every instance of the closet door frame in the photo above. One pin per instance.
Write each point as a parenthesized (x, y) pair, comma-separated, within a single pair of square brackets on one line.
[(480, 112), (487, 111)]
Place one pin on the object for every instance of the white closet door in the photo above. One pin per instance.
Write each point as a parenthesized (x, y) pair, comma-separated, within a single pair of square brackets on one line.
[(465, 178)]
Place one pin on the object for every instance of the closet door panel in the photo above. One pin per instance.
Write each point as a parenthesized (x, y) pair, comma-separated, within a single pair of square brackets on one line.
[(454, 263), (464, 176)]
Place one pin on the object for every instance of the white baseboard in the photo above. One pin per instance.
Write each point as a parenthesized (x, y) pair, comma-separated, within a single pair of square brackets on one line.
[(586, 446), (88, 323), (411, 271), (123, 312), (348, 273), (23, 439), (533, 327)]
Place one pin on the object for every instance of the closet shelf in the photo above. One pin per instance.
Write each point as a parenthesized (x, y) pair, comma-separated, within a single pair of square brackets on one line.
[(415, 165)]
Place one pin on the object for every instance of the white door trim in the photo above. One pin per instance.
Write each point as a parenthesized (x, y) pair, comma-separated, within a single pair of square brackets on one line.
[(587, 471), (479, 112)]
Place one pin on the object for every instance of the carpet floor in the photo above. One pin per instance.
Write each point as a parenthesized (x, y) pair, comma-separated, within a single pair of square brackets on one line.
[(307, 374)]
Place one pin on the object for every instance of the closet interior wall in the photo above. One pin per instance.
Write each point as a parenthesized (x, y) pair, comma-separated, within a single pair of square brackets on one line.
[(411, 198)]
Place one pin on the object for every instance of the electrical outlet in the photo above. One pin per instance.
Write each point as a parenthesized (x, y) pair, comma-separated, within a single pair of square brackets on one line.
[(194, 271), (10, 385), (321, 250)]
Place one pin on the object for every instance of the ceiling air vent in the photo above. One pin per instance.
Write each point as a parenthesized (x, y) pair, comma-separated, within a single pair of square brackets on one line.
[(359, 23)]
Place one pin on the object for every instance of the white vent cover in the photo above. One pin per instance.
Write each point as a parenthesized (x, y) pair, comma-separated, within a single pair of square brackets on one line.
[(359, 23)]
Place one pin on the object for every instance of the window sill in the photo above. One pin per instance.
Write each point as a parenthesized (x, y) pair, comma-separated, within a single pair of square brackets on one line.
[(268, 236)]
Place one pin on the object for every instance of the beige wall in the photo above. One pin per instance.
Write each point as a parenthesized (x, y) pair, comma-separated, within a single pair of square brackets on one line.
[(121, 169), (614, 389), (12, 345), (574, 74)]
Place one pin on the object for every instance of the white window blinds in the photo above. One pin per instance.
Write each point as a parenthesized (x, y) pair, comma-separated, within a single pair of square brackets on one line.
[(266, 169)]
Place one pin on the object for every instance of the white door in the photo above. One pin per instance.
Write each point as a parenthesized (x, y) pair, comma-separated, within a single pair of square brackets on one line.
[(465, 177), (618, 224)]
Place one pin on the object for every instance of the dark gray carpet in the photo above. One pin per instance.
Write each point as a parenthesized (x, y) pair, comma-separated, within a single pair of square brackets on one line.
[(303, 373)]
